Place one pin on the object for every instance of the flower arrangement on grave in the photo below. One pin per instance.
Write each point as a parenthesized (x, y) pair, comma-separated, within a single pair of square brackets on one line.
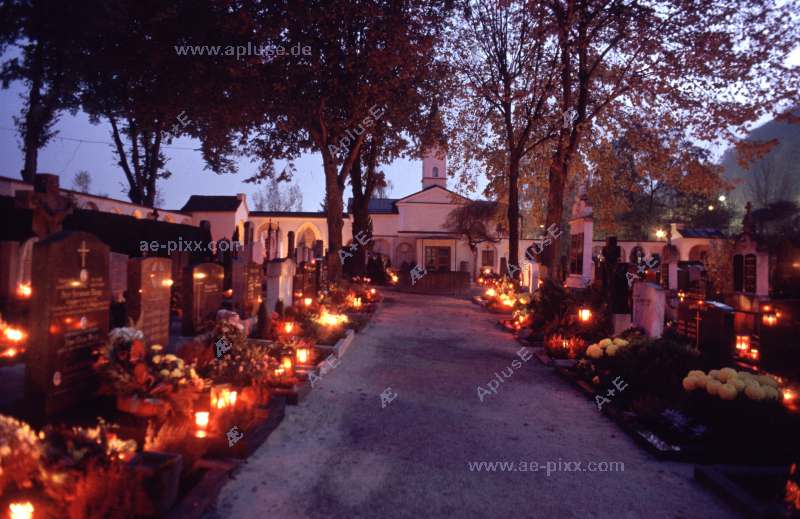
[(20, 451), (728, 384), (242, 364), (85, 469), (607, 347), (654, 366), (131, 370)]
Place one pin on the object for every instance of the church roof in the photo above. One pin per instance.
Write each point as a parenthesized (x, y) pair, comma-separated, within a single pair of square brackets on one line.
[(377, 206), (428, 189), (211, 203)]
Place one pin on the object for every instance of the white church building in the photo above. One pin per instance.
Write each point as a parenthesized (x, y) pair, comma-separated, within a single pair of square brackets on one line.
[(406, 230)]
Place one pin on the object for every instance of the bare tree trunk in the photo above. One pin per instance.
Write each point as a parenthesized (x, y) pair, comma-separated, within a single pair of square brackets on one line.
[(34, 119), (513, 215), (555, 212), (360, 217), (334, 210)]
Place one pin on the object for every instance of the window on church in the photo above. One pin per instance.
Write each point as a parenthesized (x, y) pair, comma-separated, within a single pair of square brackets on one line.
[(487, 258), (738, 273), (435, 171), (750, 273), (437, 258)]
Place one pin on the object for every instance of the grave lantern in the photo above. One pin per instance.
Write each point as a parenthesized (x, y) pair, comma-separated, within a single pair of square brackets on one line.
[(21, 510), (201, 422), (288, 327), (769, 319), (303, 354), (584, 315), (307, 301), (789, 397), (223, 396), (287, 363)]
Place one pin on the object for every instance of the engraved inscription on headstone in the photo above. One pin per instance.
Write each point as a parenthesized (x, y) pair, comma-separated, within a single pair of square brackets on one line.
[(247, 277), (149, 287), (202, 294), (69, 320)]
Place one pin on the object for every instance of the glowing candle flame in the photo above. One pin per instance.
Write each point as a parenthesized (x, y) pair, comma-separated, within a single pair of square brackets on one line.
[(302, 355), (14, 334), (288, 327), (21, 510), (201, 418), (24, 290), (307, 301), (167, 282), (491, 292), (585, 314)]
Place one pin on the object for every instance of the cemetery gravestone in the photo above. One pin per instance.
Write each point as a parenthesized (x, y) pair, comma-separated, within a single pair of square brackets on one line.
[(246, 287), (117, 275), (69, 320), (202, 294), (149, 290)]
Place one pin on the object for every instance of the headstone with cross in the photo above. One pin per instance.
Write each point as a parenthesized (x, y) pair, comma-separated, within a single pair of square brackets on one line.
[(68, 322)]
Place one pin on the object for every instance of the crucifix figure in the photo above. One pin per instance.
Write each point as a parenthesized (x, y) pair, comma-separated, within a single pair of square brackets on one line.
[(83, 251)]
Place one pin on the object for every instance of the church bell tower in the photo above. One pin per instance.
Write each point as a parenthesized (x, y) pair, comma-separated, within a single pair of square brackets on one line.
[(434, 168)]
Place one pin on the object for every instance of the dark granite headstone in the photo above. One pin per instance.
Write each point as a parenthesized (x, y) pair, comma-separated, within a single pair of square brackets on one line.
[(202, 294), (69, 320), (246, 284), (149, 288), (117, 275)]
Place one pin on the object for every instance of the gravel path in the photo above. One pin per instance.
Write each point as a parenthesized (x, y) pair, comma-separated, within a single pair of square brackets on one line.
[(341, 455)]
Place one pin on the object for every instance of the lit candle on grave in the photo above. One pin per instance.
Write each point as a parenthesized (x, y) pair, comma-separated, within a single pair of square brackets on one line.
[(201, 419), (302, 355), (585, 315), (21, 510), (24, 290)]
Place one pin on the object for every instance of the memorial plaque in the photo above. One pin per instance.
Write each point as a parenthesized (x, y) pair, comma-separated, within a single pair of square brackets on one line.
[(247, 278), (202, 294), (69, 320), (149, 289)]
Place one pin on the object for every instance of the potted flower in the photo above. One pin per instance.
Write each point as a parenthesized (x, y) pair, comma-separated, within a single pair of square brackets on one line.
[(86, 469), (146, 381), (20, 451)]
